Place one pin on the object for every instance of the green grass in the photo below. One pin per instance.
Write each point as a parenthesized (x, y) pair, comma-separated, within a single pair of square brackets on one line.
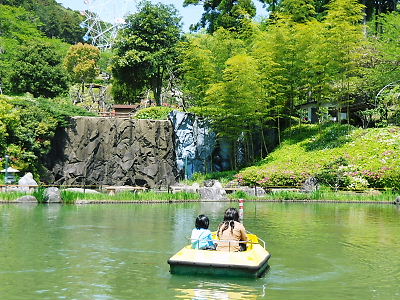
[(71, 197), (223, 177), (39, 194), (11, 196), (322, 195)]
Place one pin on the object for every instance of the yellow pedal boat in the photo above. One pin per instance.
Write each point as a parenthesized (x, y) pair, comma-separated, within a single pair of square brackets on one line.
[(250, 263)]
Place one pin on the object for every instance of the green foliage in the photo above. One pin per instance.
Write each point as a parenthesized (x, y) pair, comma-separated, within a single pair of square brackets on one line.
[(333, 173), (29, 62), (361, 159), (37, 69), (154, 113), (299, 10), (329, 195), (240, 195), (55, 20), (28, 126), (11, 196), (146, 50), (81, 62), (39, 194), (203, 61), (223, 14)]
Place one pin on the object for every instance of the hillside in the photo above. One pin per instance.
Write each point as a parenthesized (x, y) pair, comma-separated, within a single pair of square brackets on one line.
[(55, 21), (337, 155)]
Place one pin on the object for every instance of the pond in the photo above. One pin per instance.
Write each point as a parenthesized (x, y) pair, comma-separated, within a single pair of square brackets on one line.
[(319, 251)]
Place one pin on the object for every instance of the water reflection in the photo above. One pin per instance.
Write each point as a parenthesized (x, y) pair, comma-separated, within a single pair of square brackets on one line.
[(319, 251), (219, 291)]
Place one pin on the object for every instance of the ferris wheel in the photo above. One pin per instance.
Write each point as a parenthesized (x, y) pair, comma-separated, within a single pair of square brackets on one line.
[(103, 19)]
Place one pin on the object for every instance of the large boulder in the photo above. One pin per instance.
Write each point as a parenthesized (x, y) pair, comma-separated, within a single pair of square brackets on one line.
[(215, 192), (52, 195), (27, 199), (254, 191), (81, 190), (310, 185), (194, 188), (26, 183)]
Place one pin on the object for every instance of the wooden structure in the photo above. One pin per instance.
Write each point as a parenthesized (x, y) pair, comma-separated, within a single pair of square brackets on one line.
[(124, 110)]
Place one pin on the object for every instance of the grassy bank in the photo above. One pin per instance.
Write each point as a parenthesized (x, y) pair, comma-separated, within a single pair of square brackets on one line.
[(339, 156), (320, 195), (323, 195), (71, 197), (11, 196)]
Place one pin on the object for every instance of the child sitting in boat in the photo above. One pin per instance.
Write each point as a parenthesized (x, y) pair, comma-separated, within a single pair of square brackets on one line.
[(201, 235), (230, 232)]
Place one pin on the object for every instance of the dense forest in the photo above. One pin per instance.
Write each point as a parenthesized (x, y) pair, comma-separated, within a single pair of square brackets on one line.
[(308, 61)]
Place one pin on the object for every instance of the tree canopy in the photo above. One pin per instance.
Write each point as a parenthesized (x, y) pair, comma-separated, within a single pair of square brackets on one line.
[(81, 62), (146, 52), (20, 30), (37, 69), (222, 13)]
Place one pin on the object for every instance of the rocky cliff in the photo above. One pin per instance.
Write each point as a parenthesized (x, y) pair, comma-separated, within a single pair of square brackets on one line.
[(114, 151), (194, 144)]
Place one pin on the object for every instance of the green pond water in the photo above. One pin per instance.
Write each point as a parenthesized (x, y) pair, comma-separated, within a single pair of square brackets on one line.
[(319, 251)]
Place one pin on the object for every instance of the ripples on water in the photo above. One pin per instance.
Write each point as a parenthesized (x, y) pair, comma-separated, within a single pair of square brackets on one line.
[(319, 251)]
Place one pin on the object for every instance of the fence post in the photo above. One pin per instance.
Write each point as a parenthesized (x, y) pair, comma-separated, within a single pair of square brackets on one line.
[(241, 210)]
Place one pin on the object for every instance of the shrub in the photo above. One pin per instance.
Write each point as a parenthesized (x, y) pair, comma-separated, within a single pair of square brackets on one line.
[(28, 125), (154, 113), (39, 194)]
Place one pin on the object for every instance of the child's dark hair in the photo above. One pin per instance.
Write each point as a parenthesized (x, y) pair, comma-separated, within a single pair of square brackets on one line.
[(202, 222), (231, 215)]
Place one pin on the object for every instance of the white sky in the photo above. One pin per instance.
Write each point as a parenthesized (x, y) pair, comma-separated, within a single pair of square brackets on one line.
[(111, 9)]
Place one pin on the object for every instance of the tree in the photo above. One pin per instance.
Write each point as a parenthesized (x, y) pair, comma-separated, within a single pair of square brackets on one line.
[(204, 59), (344, 40), (81, 63), (146, 53), (37, 69), (223, 13), (299, 10)]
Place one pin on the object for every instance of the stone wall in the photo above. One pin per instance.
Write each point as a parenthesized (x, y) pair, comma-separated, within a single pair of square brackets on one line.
[(114, 151)]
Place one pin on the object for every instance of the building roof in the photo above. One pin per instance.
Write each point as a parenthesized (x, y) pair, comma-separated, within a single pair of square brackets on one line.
[(125, 106)]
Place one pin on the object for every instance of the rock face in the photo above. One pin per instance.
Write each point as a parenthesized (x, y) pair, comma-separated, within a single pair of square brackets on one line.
[(114, 151), (194, 143), (27, 183)]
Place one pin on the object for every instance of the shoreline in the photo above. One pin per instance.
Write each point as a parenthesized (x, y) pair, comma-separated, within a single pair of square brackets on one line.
[(86, 202)]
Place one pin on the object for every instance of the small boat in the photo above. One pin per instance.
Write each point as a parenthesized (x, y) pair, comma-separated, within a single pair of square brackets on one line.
[(252, 262)]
